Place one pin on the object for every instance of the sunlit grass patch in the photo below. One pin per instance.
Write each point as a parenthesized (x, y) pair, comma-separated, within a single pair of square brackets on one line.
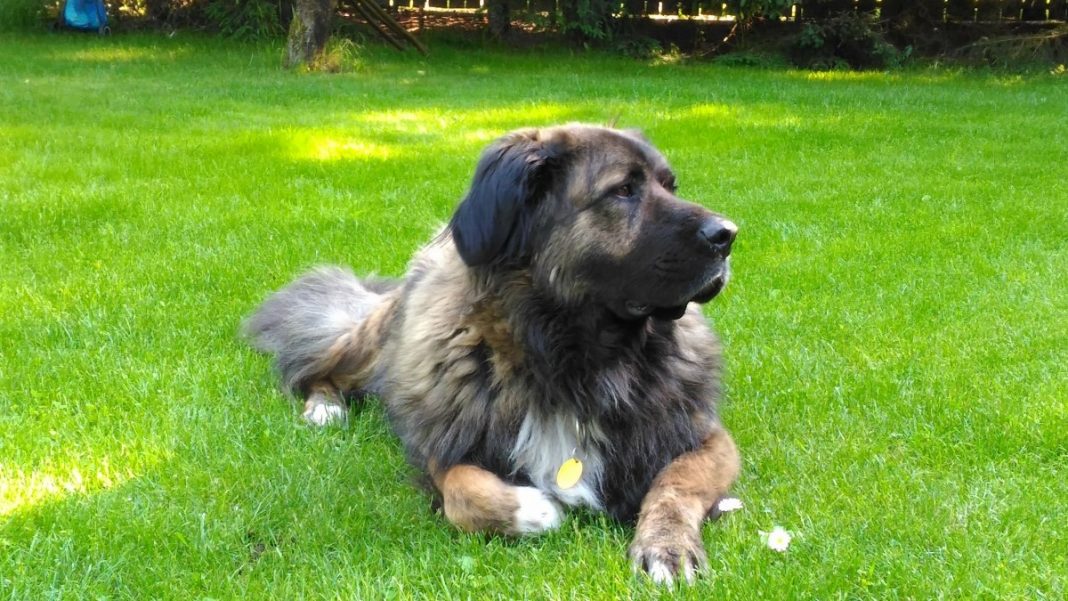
[(21, 490), (333, 147)]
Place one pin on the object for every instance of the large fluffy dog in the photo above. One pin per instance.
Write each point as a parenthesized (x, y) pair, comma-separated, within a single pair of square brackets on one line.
[(547, 348)]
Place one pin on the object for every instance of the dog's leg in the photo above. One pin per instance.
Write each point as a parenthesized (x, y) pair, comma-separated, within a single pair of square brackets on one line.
[(667, 541), (476, 500), (324, 405)]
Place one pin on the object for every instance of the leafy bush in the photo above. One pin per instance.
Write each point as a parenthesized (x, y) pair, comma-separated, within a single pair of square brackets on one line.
[(20, 14), (246, 19), (589, 20), (340, 55), (847, 39), (638, 46)]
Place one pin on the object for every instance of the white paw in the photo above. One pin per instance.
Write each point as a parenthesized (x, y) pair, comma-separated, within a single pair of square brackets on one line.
[(321, 414), (662, 573), (536, 512), (668, 555)]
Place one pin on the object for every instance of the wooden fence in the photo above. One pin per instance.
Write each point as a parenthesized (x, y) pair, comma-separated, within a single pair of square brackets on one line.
[(945, 10)]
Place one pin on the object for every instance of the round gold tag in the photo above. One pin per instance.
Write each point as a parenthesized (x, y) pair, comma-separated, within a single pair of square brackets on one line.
[(569, 474)]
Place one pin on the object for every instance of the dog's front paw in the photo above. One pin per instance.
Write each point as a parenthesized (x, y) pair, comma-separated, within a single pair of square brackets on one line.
[(536, 511), (667, 553), (319, 411)]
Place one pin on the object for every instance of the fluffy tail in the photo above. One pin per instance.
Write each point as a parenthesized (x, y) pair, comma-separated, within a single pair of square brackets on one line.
[(317, 328)]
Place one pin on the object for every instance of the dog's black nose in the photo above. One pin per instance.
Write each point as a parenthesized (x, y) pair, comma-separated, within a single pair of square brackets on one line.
[(718, 234)]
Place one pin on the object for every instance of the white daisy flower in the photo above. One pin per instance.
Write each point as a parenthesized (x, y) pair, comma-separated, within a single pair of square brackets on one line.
[(729, 504), (778, 539)]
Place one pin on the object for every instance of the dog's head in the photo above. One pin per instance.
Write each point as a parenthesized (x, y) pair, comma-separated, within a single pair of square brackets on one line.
[(592, 213)]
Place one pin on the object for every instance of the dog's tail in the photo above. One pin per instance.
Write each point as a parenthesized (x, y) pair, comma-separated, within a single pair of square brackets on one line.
[(326, 325)]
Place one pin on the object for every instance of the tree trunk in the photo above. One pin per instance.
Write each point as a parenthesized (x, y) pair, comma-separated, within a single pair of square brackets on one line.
[(500, 17), (308, 31)]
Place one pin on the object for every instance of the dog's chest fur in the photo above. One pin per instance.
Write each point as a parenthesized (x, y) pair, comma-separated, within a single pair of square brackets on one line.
[(545, 442)]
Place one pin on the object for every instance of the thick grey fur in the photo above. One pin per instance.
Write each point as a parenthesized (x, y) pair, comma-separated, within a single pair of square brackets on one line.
[(299, 323)]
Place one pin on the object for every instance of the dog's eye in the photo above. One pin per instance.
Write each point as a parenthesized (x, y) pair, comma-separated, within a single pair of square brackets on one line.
[(624, 191), (670, 185)]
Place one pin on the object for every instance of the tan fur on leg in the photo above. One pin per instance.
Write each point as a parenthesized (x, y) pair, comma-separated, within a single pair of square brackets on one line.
[(476, 500), (667, 541)]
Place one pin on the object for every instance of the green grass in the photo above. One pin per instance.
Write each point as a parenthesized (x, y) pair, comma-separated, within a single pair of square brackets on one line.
[(896, 331)]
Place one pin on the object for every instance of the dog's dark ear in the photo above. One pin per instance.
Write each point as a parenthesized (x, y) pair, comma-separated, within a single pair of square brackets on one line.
[(490, 225)]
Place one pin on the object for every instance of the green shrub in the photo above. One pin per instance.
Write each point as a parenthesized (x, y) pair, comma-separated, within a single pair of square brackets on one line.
[(340, 55), (21, 14), (638, 46), (589, 20), (847, 39), (246, 19)]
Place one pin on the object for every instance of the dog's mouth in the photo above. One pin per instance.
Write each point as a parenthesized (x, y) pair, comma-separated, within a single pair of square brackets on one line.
[(638, 309)]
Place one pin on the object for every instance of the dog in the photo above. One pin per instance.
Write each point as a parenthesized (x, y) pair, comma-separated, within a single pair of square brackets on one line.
[(546, 349)]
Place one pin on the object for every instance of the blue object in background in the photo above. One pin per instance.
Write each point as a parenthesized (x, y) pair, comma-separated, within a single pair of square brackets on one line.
[(86, 15)]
